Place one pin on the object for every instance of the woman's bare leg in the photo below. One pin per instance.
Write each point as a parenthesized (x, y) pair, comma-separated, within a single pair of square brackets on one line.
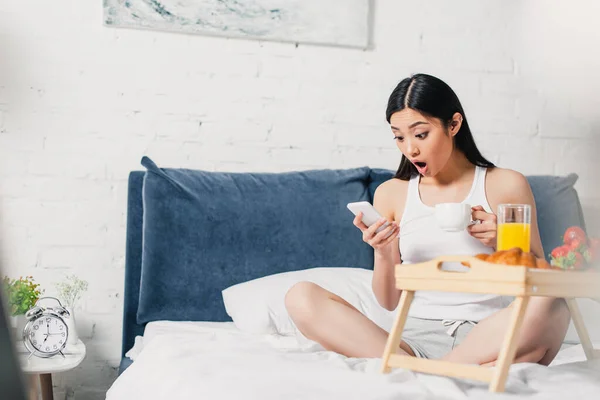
[(541, 335), (334, 323)]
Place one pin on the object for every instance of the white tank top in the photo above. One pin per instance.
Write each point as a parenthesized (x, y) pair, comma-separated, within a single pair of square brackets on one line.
[(421, 240)]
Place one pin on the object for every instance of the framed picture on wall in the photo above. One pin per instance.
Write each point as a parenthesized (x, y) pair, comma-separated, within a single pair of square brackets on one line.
[(327, 22)]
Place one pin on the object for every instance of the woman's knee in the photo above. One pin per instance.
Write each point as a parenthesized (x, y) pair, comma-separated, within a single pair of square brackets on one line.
[(548, 326), (301, 301), (542, 335)]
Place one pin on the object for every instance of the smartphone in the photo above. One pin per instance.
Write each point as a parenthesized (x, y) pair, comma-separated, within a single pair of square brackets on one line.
[(370, 214)]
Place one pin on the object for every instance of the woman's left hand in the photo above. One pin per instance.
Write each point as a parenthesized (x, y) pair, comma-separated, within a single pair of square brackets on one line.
[(485, 232)]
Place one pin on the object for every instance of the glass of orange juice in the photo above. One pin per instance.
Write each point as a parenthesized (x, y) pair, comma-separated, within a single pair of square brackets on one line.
[(514, 227)]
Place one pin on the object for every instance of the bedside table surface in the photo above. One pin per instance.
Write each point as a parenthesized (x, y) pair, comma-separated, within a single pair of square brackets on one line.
[(74, 355)]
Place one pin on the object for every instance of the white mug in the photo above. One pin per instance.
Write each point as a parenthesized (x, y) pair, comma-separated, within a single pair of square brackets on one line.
[(453, 217)]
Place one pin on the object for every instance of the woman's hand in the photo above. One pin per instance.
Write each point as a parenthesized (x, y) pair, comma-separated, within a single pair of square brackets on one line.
[(379, 240), (485, 232)]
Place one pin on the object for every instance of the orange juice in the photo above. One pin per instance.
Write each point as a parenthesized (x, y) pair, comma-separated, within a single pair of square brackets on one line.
[(514, 234)]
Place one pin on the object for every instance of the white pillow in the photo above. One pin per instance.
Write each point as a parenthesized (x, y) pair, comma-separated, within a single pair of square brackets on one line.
[(258, 306)]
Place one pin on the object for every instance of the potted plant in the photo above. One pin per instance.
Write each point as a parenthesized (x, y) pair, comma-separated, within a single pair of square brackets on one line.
[(21, 295), (69, 292)]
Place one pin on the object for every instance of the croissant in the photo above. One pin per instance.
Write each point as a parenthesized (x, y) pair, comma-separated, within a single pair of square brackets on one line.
[(514, 256)]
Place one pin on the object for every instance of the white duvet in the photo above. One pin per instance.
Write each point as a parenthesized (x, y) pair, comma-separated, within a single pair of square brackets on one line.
[(176, 360)]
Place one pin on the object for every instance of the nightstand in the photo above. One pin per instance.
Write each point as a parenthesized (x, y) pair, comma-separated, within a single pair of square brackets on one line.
[(40, 370)]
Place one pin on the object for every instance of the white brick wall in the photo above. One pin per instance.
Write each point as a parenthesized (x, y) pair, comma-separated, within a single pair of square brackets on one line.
[(81, 103)]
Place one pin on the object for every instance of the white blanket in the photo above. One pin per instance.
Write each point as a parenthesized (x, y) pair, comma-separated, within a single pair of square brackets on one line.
[(217, 361)]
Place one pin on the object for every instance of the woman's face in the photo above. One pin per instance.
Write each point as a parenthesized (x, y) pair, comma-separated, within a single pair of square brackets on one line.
[(424, 141)]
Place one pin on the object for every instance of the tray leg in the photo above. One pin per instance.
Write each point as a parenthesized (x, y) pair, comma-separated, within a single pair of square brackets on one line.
[(395, 335), (582, 331), (509, 346)]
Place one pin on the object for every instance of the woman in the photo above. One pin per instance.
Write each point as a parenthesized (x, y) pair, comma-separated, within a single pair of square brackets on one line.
[(440, 163)]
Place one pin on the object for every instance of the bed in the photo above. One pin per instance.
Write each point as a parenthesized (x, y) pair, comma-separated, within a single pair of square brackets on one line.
[(206, 275), (215, 360)]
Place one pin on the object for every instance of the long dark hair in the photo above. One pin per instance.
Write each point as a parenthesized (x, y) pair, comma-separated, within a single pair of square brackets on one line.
[(434, 98)]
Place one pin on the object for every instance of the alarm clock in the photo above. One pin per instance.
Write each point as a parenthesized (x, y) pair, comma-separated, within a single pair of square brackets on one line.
[(45, 334)]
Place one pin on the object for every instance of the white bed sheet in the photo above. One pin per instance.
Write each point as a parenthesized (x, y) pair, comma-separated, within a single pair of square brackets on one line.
[(155, 328), (209, 360)]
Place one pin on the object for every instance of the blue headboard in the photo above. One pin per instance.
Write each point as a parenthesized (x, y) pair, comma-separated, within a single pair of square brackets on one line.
[(199, 214), (133, 261)]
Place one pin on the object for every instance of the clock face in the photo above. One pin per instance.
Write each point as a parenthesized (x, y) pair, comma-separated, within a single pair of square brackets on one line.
[(47, 334)]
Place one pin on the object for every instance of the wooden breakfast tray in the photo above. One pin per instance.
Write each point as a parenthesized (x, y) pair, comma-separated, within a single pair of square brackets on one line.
[(484, 277)]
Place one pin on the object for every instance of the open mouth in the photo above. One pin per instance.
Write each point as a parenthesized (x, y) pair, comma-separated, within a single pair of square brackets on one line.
[(421, 167)]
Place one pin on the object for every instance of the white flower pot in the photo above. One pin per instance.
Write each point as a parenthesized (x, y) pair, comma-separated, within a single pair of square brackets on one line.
[(17, 322), (71, 326)]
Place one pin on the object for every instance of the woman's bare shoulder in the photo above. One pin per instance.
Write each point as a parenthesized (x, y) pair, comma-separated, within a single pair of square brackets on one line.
[(505, 184), (392, 187), (389, 198)]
